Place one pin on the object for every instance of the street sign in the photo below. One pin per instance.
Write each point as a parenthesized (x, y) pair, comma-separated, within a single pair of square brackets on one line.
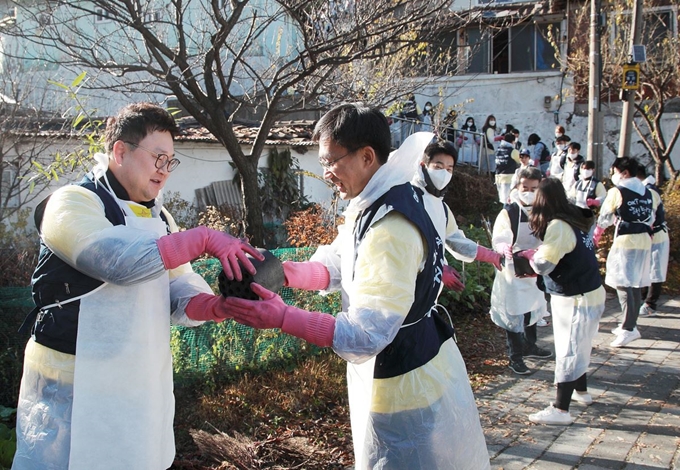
[(631, 77)]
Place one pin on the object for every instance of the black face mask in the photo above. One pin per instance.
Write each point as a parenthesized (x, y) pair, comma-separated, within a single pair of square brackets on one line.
[(429, 185)]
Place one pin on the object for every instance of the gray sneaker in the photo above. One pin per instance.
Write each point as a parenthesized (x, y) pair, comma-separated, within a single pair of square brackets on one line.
[(647, 312), (537, 352)]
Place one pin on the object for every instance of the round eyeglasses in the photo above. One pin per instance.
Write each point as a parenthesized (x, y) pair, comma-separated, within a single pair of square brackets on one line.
[(162, 160)]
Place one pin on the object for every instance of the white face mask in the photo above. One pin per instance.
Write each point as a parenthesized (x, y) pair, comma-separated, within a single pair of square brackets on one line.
[(616, 179), (440, 178), (527, 197), (561, 147), (557, 134), (587, 173), (427, 108), (572, 156), (492, 123), (469, 123)]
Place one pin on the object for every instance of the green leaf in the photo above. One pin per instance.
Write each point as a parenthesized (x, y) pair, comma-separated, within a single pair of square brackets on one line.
[(78, 80)]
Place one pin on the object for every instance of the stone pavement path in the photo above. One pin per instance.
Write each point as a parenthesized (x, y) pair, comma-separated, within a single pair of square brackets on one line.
[(634, 422)]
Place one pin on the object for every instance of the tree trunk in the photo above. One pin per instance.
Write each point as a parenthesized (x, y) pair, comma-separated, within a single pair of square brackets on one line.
[(252, 204)]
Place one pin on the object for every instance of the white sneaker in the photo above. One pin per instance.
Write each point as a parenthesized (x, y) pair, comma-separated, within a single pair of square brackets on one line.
[(647, 311), (542, 322), (551, 415), (583, 398), (617, 331), (625, 337)]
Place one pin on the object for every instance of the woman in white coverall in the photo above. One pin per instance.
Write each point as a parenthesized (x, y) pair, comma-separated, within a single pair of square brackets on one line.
[(566, 261), (630, 206), (411, 404), (517, 303), (113, 273)]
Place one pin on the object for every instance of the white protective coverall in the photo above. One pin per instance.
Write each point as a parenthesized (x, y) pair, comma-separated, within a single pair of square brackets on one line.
[(575, 318), (111, 405), (431, 410), (660, 245), (629, 259), (511, 296)]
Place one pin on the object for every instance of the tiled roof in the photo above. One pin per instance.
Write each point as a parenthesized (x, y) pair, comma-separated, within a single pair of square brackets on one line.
[(294, 133), (285, 133)]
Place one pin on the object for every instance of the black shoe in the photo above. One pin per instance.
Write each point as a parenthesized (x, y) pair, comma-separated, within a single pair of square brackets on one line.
[(537, 352), (519, 367)]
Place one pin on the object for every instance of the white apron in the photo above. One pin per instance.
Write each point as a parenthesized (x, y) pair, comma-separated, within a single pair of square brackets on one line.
[(512, 296), (123, 405)]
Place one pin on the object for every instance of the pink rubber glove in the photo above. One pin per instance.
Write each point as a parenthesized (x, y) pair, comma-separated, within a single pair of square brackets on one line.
[(451, 279), (310, 275), (597, 234), (504, 249), (182, 247), (204, 307), (498, 138), (593, 202), (488, 256), (271, 312), (528, 254)]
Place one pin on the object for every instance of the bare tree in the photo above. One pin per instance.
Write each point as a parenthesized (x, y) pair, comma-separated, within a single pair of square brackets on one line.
[(219, 58), (21, 153), (659, 74)]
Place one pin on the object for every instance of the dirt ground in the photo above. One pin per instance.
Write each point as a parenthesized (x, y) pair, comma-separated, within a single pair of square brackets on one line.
[(298, 417)]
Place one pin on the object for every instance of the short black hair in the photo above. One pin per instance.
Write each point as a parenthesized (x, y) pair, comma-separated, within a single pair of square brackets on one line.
[(135, 121), (574, 145), (563, 138), (441, 146), (354, 126), (533, 139), (626, 164), (588, 165), (509, 137), (530, 173)]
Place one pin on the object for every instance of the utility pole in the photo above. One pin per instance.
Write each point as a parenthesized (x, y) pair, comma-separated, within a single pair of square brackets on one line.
[(629, 95), (594, 131)]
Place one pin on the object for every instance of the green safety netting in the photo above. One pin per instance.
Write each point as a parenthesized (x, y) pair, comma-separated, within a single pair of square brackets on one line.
[(212, 348)]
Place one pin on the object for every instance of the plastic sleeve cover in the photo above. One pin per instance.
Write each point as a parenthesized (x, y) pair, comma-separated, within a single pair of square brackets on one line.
[(382, 292), (558, 241), (75, 228), (502, 231), (182, 289), (608, 209), (329, 256), (461, 247)]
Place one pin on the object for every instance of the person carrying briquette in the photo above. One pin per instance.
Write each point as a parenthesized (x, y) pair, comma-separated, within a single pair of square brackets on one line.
[(524, 162), (558, 156), (571, 166), (630, 206), (407, 384), (433, 175), (570, 272), (588, 193), (517, 303), (660, 249), (507, 160), (112, 274)]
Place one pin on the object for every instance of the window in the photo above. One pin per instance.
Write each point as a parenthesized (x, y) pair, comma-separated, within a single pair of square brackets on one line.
[(101, 15), (658, 24), (523, 48), (152, 16)]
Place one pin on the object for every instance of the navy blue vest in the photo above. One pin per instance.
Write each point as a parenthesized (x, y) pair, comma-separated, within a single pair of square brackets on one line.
[(505, 165), (588, 186), (577, 272), (55, 281), (634, 212), (422, 333)]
